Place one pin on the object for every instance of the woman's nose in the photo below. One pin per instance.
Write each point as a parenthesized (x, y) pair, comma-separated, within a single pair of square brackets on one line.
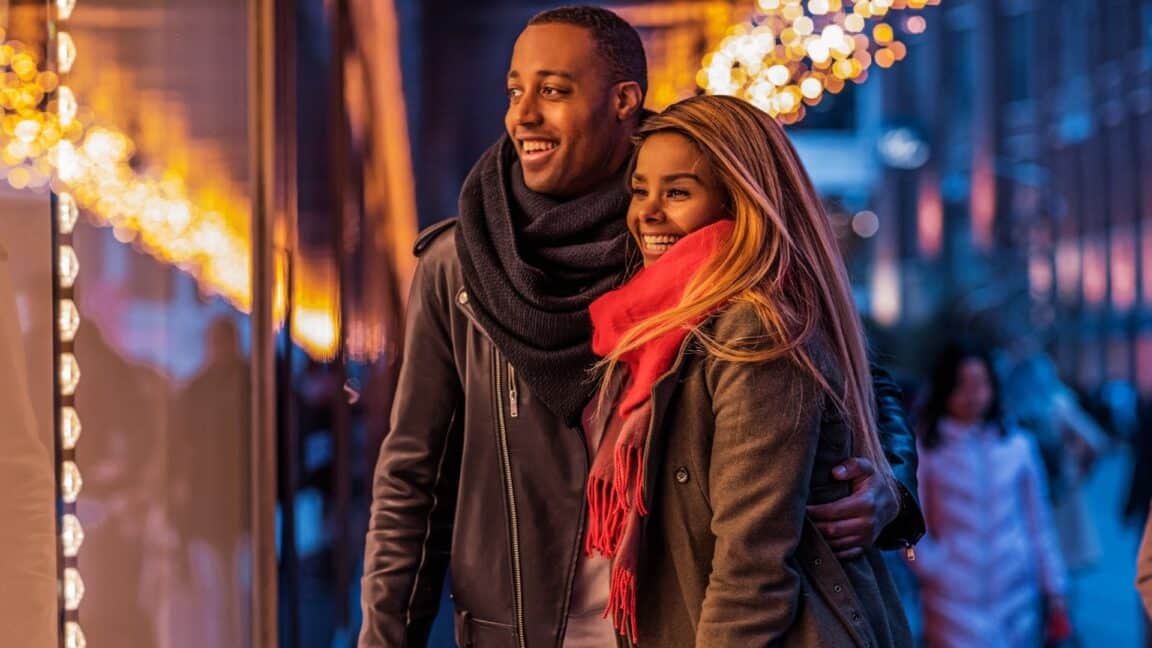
[(651, 212), (649, 209)]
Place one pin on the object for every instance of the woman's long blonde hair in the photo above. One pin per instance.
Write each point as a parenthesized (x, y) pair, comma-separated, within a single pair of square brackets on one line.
[(782, 259)]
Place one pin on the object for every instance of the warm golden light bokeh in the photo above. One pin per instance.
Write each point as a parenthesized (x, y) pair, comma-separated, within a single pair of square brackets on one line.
[(790, 52), (48, 141)]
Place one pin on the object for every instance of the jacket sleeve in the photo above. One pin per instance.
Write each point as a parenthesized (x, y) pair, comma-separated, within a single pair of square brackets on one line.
[(414, 486), (1144, 567), (1039, 516), (767, 427), (931, 558), (900, 449)]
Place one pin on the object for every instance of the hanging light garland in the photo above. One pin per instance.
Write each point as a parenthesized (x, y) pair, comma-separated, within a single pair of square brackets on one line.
[(791, 52), (52, 144), (37, 133)]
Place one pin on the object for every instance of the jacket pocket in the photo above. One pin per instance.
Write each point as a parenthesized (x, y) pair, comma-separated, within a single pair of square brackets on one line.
[(479, 633)]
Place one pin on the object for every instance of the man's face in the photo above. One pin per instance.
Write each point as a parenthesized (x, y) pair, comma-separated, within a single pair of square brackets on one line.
[(562, 112)]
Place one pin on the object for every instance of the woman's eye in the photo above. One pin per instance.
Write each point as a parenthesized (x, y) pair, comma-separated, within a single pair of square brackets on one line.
[(639, 192), (677, 193), (514, 93), (552, 92)]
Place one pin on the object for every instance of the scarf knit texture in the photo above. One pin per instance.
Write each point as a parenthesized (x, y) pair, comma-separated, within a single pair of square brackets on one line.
[(532, 264), (616, 479)]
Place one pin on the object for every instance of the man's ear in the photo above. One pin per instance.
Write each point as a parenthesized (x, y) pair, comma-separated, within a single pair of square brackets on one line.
[(629, 100)]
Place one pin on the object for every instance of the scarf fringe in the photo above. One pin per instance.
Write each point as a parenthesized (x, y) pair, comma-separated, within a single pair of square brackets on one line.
[(629, 466), (606, 516), (622, 603)]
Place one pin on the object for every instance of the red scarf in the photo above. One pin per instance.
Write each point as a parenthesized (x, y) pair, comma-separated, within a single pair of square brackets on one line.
[(615, 482)]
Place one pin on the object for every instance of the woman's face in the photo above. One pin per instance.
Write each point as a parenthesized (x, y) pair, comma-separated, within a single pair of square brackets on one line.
[(674, 193), (972, 396)]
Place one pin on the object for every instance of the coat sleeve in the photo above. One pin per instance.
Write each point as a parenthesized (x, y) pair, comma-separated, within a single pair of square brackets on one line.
[(900, 449), (1039, 516), (414, 486), (1144, 567), (767, 427)]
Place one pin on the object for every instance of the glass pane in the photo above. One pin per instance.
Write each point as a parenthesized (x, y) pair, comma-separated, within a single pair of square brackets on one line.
[(161, 176)]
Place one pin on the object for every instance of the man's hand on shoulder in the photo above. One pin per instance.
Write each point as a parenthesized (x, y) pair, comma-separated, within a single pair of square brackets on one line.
[(853, 523)]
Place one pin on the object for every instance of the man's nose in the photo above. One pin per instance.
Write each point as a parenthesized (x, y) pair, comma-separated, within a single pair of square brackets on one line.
[(525, 111)]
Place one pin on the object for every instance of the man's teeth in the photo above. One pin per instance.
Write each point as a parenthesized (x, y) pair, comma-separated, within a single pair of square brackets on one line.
[(535, 146)]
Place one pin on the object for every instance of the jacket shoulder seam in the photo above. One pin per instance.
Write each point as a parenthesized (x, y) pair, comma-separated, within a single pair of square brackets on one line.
[(429, 234)]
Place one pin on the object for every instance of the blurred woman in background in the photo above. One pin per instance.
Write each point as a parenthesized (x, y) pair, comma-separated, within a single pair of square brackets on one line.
[(990, 564)]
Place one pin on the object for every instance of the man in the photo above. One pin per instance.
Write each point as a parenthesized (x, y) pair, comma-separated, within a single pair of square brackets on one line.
[(484, 470)]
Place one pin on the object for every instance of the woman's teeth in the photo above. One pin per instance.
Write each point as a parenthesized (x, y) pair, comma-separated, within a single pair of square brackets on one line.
[(659, 242)]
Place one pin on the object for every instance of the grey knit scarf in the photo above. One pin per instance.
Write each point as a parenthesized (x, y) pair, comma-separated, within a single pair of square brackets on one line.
[(532, 265)]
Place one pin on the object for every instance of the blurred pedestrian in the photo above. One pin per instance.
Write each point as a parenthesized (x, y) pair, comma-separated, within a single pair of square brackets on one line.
[(1070, 442), (990, 565)]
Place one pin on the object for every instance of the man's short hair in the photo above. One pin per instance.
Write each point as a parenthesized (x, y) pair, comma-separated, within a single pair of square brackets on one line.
[(617, 41)]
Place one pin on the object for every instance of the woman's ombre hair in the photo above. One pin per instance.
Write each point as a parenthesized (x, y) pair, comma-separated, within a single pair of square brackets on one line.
[(781, 258)]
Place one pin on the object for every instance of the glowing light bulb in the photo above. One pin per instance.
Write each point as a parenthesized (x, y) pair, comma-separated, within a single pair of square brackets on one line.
[(64, 9), (69, 374), (66, 212), (73, 589), (69, 266), (65, 52), (71, 535), (70, 482), (66, 105), (69, 320), (74, 636), (70, 427)]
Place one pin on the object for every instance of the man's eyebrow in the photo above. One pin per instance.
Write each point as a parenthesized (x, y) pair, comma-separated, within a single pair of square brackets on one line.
[(513, 74), (559, 73)]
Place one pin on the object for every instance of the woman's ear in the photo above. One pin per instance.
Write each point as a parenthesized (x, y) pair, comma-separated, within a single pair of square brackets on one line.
[(629, 100)]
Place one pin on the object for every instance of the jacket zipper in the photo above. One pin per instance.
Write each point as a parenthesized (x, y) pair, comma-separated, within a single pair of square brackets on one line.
[(517, 579), (513, 400), (909, 551)]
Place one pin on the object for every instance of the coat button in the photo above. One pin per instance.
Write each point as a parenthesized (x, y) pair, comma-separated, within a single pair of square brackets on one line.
[(682, 475), (462, 297), (817, 562), (837, 589)]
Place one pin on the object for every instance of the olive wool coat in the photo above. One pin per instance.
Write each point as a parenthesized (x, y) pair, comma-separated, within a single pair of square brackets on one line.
[(729, 560)]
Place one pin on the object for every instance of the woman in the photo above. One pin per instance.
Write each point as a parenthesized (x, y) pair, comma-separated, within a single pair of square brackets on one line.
[(990, 563), (735, 366)]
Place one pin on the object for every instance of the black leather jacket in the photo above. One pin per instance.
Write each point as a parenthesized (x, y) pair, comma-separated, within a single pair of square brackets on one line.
[(479, 478)]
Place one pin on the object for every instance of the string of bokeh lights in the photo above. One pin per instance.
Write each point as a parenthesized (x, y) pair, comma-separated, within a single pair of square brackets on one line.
[(47, 144), (791, 52)]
